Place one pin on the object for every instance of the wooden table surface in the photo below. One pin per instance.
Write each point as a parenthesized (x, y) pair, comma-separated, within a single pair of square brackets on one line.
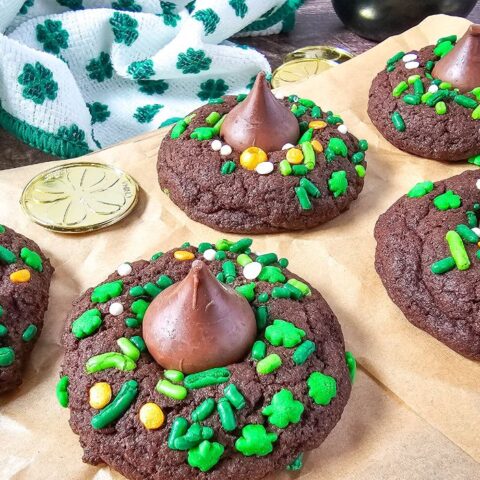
[(316, 24)]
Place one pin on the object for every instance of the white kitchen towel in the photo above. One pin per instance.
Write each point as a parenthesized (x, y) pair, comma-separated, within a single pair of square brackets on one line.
[(78, 75)]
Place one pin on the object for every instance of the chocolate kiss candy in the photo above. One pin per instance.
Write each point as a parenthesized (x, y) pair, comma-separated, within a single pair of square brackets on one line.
[(260, 121), (199, 324), (461, 66)]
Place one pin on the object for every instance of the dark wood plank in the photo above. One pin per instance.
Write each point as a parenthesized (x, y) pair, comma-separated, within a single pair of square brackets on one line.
[(316, 24)]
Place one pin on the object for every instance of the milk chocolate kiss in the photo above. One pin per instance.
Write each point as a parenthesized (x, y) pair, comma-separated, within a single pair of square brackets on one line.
[(260, 121), (461, 66), (199, 324)]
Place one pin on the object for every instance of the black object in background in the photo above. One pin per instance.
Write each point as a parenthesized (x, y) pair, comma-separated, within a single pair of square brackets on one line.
[(379, 19)]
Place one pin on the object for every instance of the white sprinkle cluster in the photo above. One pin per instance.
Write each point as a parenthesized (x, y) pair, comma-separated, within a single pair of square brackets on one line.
[(209, 254), (226, 150), (409, 57), (412, 65), (478, 184), (252, 270), (216, 145), (264, 168), (124, 269), (433, 88), (116, 309), (342, 129), (279, 95), (287, 146)]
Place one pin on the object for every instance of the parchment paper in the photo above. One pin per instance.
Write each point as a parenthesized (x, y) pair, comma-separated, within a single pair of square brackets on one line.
[(415, 408)]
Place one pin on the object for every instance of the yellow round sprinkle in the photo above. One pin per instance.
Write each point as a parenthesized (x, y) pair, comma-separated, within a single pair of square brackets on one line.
[(294, 156), (183, 255), (20, 276), (317, 146), (317, 124), (100, 395), (251, 157), (151, 416)]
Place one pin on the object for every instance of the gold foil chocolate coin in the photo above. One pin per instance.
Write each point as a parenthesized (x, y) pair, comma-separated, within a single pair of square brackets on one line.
[(321, 52), (79, 197), (297, 70)]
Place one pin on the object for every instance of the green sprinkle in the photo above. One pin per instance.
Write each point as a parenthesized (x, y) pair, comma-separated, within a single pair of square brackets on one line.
[(104, 361), (32, 259), (241, 246), (269, 364), (303, 198), (243, 259), (465, 101), (363, 145), (303, 352), (267, 258), (298, 110), (443, 266), (174, 376), (107, 291), (285, 168), (205, 455), (233, 395), (7, 356), (450, 38), (283, 262), (137, 291), (476, 113), (170, 390), (306, 137), (338, 146), (467, 234), (139, 343), (358, 157), (220, 277), (128, 348), (220, 255), (283, 333), (294, 292), (420, 189), (457, 249), (226, 415), (400, 88), (309, 158), (445, 86), (281, 292), (443, 48), (259, 350), (299, 170), (398, 121), (441, 108), (316, 112), (87, 323), (418, 87), (263, 297), (223, 244), (390, 68), (310, 187), (247, 291), (228, 167), (29, 333), (216, 101), (297, 464), (412, 99), (3, 330), (178, 129), (426, 96), (229, 271), (360, 169), (475, 160), (203, 133), (61, 391), (204, 410), (214, 376), (2, 229), (204, 246), (151, 289), (261, 316), (411, 79), (156, 256), (303, 287), (398, 56), (306, 102), (179, 429), (7, 256), (241, 97), (447, 201), (334, 120), (476, 92), (338, 183), (212, 119), (351, 365), (429, 65)]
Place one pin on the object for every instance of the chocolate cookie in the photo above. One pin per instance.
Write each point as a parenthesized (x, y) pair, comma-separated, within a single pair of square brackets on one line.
[(238, 421), (422, 114), (25, 275), (428, 258), (272, 179)]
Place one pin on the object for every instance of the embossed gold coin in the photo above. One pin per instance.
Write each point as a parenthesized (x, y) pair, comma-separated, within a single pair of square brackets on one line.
[(321, 52), (79, 197)]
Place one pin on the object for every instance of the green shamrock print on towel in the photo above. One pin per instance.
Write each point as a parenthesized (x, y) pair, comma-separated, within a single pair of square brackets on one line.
[(193, 61), (52, 36), (38, 83), (124, 28)]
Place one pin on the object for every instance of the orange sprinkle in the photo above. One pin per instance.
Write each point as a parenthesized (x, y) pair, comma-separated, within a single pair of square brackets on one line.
[(20, 276), (183, 255), (294, 156), (251, 157), (317, 146), (317, 124)]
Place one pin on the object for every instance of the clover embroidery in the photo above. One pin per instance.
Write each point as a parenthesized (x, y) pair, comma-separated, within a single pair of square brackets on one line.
[(193, 61), (71, 4), (168, 15), (26, 5), (38, 83), (141, 70), (52, 36), (282, 333), (322, 388), (98, 111), (100, 68), (255, 440), (127, 5), (209, 19), (283, 409), (151, 87), (240, 7), (206, 455), (73, 135), (146, 113), (212, 89), (124, 28)]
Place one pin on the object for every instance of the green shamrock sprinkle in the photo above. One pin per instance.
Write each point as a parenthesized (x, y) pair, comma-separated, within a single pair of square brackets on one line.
[(32, 259), (255, 440), (38, 83), (283, 333), (152, 87), (239, 6), (7, 256), (168, 15), (338, 183), (100, 68), (98, 111), (193, 61), (124, 28), (147, 113), (352, 365), (209, 19), (447, 200), (206, 455), (141, 70), (87, 323), (338, 146), (420, 189), (271, 274), (52, 36), (107, 291), (127, 6), (322, 388), (247, 291), (212, 89), (283, 409)]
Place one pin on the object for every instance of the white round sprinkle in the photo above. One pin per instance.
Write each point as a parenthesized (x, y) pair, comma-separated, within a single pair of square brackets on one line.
[(342, 129), (409, 57), (226, 150), (412, 65), (124, 269), (216, 145), (116, 309), (476, 230), (252, 270), (209, 254), (478, 184), (279, 95), (287, 146), (433, 88), (264, 168)]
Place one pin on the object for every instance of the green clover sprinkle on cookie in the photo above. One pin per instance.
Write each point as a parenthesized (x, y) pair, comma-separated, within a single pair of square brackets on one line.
[(283, 409), (7, 356), (239, 6), (447, 201), (255, 440), (209, 19), (168, 15), (87, 323), (52, 36), (271, 274), (322, 388), (351, 365), (206, 455), (420, 189), (247, 291), (283, 333), (100, 68), (152, 87), (124, 28), (98, 111), (141, 70), (147, 113), (7, 256), (212, 89), (338, 183), (127, 6), (32, 259), (193, 61), (107, 291), (338, 146), (38, 83)]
